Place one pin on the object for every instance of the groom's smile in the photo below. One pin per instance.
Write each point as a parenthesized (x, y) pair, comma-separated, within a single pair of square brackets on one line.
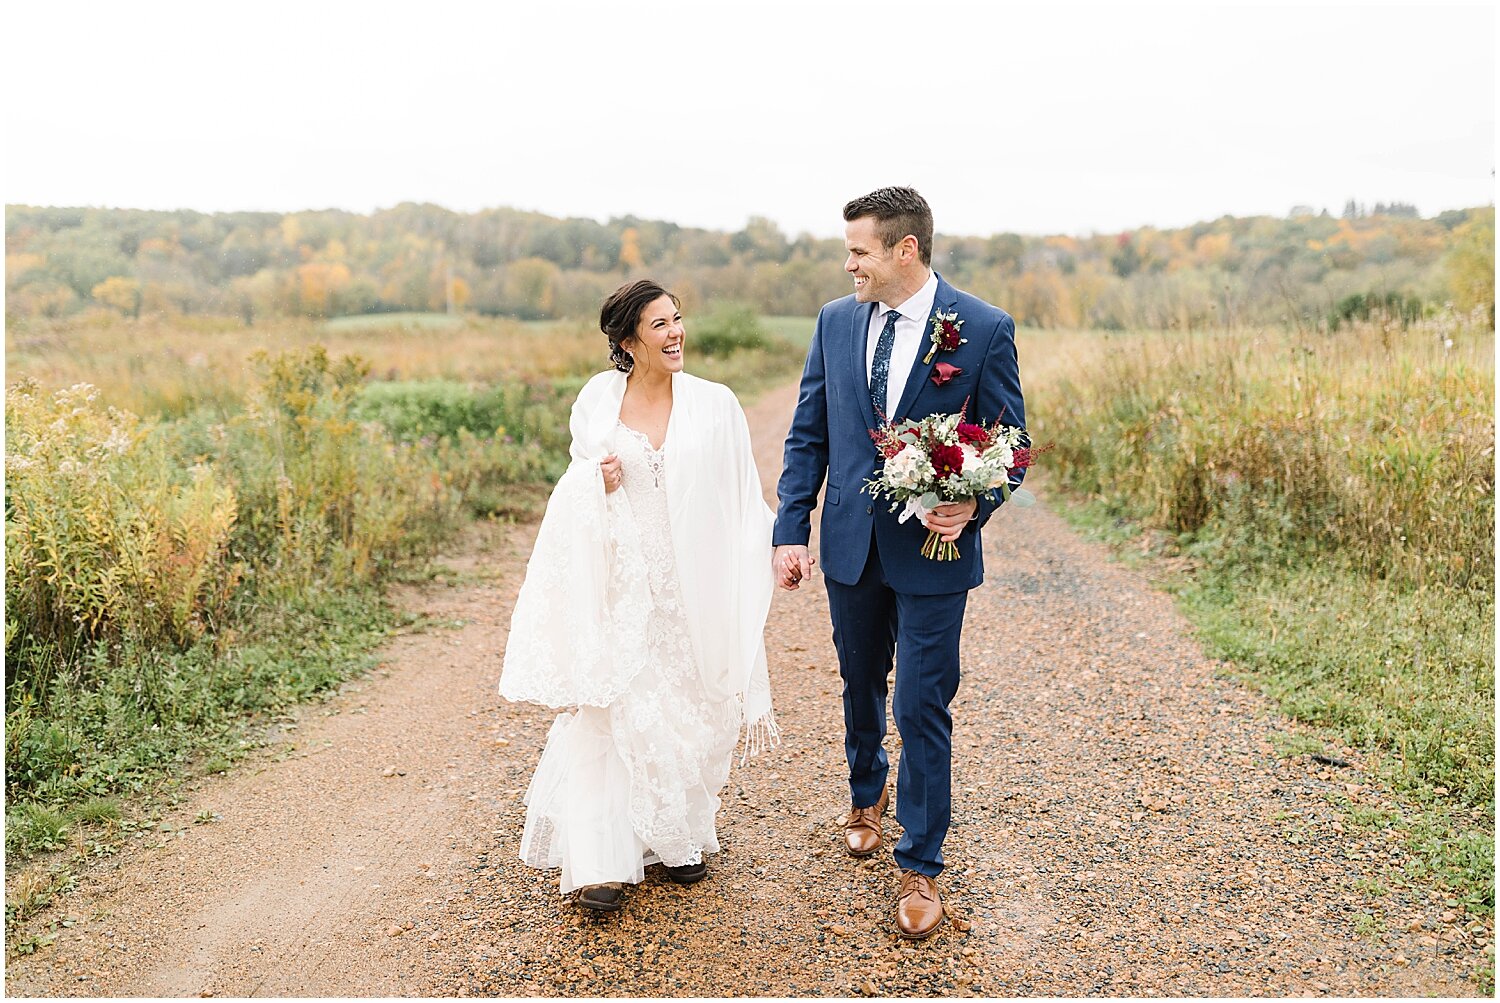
[(877, 274)]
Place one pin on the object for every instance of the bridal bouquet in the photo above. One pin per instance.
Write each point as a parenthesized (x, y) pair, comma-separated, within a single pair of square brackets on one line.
[(943, 458)]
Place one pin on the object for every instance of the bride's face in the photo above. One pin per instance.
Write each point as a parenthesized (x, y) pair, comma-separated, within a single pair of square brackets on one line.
[(657, 343)]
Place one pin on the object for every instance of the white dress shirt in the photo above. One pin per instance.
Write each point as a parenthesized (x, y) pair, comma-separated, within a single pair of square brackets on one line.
[(912, 326)]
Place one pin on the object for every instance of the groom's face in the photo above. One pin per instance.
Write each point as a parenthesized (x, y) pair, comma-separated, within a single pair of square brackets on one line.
[(872, 265)]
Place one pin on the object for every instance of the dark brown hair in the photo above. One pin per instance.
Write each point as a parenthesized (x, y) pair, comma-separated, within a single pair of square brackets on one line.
[(897, 212), (622, 312)]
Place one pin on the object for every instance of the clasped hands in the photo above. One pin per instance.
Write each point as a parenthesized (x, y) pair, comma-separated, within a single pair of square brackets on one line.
[(791, 563)]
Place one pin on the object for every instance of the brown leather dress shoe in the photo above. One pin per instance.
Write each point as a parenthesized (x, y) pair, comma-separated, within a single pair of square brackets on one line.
[(919, 908), (862, 830)]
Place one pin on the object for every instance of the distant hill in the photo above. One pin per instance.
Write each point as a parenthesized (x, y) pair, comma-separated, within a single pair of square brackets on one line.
[(1302, 270)]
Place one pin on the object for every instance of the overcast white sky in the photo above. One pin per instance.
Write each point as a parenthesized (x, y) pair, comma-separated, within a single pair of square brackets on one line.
[(1034, 119)]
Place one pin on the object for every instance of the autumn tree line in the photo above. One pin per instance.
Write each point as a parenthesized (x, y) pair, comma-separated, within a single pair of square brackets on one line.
[(1308, 270)]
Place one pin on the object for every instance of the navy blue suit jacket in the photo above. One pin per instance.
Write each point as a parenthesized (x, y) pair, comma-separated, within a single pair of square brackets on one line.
[(830, 437)]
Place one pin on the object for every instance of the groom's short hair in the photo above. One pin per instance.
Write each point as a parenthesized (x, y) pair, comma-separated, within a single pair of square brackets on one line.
[(897, 212)]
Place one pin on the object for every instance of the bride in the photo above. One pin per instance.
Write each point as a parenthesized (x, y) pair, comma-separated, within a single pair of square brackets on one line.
[(642, 610)]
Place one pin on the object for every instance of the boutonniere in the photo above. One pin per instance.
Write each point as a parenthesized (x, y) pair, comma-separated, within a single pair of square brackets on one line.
[(945, 336), (943, 372)]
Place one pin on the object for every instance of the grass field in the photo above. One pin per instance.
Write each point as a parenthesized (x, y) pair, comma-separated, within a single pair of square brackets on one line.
[(174, 367), (794, 330), (401, 321)]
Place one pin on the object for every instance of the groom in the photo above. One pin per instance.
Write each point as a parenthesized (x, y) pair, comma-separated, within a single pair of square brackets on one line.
[(873, 357)]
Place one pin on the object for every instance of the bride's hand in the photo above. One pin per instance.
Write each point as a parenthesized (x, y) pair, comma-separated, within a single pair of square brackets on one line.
[(610, 468), (790, 564)]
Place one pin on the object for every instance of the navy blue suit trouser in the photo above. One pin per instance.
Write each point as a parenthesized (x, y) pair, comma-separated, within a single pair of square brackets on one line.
[(872, 621)]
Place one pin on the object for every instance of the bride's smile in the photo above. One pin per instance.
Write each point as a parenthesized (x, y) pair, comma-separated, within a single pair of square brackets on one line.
[(660, 336)]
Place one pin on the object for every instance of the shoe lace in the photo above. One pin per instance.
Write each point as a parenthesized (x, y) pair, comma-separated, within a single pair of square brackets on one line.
[(916, 883)]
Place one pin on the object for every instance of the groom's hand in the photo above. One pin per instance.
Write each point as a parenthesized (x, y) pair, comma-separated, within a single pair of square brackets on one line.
[(791, 563), (949, 520)]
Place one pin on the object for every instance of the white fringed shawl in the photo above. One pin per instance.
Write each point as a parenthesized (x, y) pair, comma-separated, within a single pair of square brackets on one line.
[(577, 636)]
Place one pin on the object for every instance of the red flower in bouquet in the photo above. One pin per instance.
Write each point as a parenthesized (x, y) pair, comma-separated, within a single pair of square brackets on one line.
[(973, 435), (947, 460), (951, 339)]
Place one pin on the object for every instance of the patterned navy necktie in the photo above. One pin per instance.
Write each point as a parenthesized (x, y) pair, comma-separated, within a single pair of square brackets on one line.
[(880, 369)]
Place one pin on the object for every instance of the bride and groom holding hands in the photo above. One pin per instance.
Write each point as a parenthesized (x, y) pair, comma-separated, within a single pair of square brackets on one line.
[(646, 595)]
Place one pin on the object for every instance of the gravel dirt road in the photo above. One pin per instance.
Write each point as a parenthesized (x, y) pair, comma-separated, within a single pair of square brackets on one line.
[(1121, 827)]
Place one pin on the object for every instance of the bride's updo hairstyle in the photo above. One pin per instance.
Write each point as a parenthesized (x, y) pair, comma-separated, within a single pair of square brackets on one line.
[(622, 312)]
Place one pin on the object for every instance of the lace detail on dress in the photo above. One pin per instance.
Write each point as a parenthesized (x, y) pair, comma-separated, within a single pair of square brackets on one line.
[(676, 745), (656, 459)]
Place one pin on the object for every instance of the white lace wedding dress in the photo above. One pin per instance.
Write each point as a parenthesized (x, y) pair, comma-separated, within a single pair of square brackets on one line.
[(637, 782)]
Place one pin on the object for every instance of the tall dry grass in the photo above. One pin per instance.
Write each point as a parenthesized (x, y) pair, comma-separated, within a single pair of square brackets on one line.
[(1376, 444)]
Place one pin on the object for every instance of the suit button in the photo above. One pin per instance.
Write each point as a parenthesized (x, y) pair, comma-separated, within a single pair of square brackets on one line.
[(869, 509)]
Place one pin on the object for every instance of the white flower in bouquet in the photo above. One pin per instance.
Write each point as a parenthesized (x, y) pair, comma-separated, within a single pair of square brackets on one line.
[(908, 469), (1000, 459)]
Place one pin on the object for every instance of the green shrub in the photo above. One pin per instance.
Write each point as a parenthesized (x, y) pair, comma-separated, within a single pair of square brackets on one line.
[(428, 410), (433, 409), (137, 554), (495, 446), (145, 712), (725, 330), (1390, 308)]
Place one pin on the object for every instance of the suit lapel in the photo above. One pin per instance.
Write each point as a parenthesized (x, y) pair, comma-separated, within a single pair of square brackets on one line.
[(859, 335), (945, 300)]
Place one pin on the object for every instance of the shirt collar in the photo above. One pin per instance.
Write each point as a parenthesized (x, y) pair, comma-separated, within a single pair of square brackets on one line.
[(918, 306)]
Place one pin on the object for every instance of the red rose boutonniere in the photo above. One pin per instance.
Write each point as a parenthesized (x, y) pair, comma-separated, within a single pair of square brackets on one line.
[(942, 373), (945, 336)]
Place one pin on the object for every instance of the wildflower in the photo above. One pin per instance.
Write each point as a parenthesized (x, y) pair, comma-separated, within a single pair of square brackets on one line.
[(117, 442)]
